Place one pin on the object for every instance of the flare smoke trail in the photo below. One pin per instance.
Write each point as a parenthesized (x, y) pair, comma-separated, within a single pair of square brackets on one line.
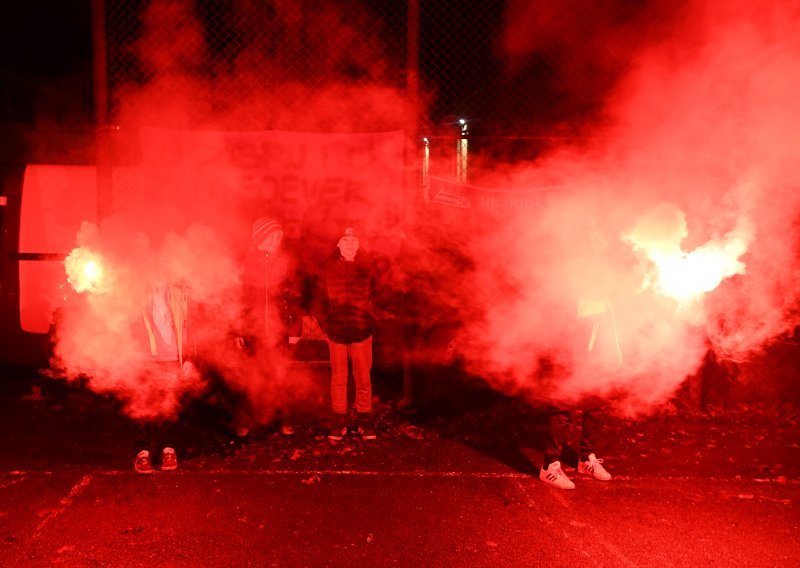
[(190, 221), (686, 108), (101, 334), (692, 150)]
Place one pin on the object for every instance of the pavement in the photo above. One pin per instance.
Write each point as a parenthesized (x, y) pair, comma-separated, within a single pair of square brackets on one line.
[(450, 481)]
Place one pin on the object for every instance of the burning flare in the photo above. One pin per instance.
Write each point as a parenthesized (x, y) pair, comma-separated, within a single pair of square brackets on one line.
[(679, 274), (688, 275), (85, 271)]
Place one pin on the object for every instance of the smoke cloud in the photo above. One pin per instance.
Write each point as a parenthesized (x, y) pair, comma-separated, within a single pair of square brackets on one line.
[(690, 155), (200, 91), (552, 270)]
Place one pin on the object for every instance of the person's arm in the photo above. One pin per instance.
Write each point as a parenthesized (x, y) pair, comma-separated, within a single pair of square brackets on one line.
[(319, 302), (292, 295), (242, 328)]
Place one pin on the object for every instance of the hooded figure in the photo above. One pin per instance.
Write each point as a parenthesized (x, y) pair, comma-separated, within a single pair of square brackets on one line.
[(271, 321), (343, 308)]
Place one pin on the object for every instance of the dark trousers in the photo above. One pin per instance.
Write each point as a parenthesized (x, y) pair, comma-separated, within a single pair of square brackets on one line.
[(158, 432), (596, 343), (154, 436), (269, 389), (557, 444)]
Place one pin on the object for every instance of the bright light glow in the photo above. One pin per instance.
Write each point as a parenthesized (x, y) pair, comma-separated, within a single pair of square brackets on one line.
[(92, 270), (85, 271), (685, 275), (461, 121)]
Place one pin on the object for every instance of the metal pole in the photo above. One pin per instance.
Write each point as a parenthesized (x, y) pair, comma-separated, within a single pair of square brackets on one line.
[(102, 138), (411, 177), (412, 77)]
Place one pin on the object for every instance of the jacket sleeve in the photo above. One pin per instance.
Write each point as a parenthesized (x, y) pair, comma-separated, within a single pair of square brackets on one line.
[(292, 296), (319, 302), (250, 296)]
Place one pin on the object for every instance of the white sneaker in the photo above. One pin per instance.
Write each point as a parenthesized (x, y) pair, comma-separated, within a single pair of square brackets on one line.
[(594, 467), (555, 476)]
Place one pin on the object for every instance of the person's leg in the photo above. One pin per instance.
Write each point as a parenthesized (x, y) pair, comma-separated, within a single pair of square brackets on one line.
[(143, 430), (338, 424), (163, 428), (143, 446), (165, 439), (338, 355), (361, 354), (589, 463), (589, 426), (558, 428), (279, 369), (558, 424)]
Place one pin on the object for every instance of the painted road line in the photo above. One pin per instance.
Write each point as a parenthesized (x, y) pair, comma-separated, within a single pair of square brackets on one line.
[(64, 504)]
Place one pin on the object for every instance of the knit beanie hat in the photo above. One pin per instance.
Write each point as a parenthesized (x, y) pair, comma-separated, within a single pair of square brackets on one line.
[(263, 227)]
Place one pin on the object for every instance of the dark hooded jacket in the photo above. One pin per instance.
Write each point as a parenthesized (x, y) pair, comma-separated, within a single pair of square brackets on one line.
[(343, 298), (271, 296)]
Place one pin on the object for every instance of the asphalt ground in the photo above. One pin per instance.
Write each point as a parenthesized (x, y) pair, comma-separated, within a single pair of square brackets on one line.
[(449, 482)]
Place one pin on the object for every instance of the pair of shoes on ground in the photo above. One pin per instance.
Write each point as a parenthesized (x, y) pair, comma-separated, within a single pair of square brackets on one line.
[(367, 432), (339, 430), (169, 461), (285, 429), (555, 476)]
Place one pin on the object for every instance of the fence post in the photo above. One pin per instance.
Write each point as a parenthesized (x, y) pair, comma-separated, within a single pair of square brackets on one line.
[(411, 166), (102, 138)]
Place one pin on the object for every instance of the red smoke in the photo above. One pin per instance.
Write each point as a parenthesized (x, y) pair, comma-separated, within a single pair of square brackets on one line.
[(193, 119), (696, 114), (703, 122)]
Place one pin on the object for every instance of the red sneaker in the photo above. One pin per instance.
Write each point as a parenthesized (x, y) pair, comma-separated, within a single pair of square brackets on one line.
[(169, 461), (142, 463)]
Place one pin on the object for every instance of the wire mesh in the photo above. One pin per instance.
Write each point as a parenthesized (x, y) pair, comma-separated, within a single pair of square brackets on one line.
[(517, 72), (251, 64)]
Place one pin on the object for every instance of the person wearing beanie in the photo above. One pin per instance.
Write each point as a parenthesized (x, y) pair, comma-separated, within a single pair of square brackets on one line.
[(271, 322), (267, 234), (343, 308)]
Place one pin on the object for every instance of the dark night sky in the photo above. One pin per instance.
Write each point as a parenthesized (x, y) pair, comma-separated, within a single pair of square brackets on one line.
[(46, 62), (45, 45), (43, 39)]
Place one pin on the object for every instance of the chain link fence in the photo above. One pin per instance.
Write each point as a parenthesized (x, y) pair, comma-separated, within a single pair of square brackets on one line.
[(514, 77), (252, 65)]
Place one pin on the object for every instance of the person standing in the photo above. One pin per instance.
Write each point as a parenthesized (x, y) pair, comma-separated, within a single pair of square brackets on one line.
[(598, 344), (164, 317), (343, 308), (271, 321)]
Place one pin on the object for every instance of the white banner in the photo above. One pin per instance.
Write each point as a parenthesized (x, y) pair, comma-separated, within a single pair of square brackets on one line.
[(358, 176)]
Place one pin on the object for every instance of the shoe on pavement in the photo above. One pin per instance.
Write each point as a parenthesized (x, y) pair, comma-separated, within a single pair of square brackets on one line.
[(336, 433), (555, 476), (142, 463), (594, 467), (338, 428), (366, 432), (169, 461)]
